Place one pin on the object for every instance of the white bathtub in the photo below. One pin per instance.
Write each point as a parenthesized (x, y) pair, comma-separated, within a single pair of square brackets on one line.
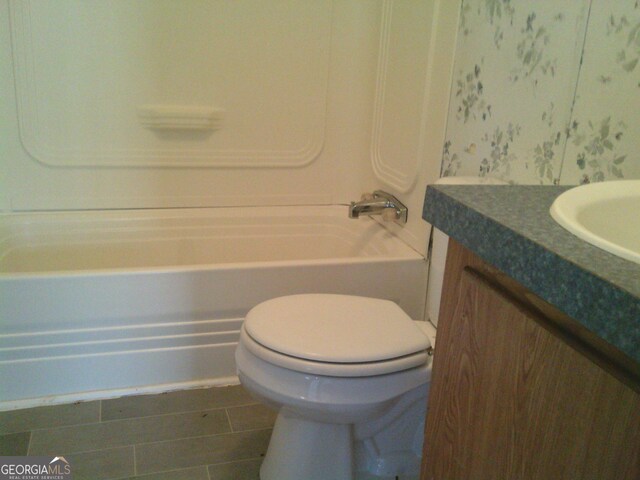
[(100, 304)]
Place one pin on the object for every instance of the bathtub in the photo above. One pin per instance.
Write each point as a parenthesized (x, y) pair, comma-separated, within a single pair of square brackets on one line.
[(101, 304)]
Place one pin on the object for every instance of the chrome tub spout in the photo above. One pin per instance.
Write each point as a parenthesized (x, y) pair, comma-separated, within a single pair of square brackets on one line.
[(380, 203)]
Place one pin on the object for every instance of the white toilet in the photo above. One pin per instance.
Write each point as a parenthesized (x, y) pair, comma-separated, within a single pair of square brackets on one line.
[(349, 377)]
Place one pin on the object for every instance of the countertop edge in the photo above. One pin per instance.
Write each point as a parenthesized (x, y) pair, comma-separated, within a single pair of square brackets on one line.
[(580, 294)]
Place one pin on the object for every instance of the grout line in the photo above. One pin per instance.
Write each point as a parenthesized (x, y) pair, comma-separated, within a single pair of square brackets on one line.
[(246, 431), (68, 425), (171, 440), (226, 411), (244, 404), (205, 436), (167, 414), (127, 445), (231, 462), (29, 442), (130, 419), (163, 472), (135, 462), (231, 432), (105, 449), (60, 427), (176, 412)]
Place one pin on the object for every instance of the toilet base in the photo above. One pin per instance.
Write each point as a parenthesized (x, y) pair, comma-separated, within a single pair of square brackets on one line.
[(334, 428), (304, 449)]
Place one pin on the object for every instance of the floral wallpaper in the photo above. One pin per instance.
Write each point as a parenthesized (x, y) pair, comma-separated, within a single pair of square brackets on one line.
[(604, 135), (546, 92)]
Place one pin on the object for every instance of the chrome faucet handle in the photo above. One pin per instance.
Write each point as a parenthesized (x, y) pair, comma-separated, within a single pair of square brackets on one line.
[(366, 197), (390, 215), (396, 212)]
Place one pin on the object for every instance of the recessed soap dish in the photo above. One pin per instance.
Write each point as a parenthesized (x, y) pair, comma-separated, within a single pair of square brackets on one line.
[(179, 117)]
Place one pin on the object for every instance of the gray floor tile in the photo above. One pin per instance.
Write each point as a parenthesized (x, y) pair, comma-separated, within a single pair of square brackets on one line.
[(101, 465), (161, 456), (51, 416), (14, 444), (368, 476), (251, 417), (195, 473), (174, 402), (245, 470), (117, 433)]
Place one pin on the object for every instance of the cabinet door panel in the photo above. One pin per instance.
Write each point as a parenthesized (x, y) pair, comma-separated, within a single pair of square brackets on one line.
[(510, 400)]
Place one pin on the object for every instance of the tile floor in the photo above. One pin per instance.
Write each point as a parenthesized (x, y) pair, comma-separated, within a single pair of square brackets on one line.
[(208, 434)]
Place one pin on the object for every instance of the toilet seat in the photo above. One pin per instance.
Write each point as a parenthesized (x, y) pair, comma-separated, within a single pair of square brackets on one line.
[(366, 369), (334, 335)]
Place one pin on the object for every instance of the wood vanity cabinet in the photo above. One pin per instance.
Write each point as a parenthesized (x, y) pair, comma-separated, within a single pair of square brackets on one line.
[(519, 391)]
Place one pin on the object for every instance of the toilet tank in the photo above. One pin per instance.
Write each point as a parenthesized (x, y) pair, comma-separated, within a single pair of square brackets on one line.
[(439, 242)]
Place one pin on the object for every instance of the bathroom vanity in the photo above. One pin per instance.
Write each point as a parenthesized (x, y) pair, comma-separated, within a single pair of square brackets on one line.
[(537, 366)]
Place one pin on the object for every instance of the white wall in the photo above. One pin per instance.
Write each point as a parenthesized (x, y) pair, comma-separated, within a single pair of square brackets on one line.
[(7, 100), (282, 75), (411, 98), (315, 102)]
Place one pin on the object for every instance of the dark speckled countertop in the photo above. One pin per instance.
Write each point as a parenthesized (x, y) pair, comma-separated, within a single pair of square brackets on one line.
[(510, 227)]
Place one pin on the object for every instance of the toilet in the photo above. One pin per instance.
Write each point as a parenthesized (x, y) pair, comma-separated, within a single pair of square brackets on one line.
[(349, 377)]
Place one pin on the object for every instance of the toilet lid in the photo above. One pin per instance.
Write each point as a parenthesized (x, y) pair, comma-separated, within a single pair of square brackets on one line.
[(335, 328)]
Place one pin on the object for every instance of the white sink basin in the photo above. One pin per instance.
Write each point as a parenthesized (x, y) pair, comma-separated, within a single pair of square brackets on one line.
[(605, 214)]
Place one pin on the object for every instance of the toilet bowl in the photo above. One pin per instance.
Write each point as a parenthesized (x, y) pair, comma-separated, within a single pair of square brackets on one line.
[(349, 377)]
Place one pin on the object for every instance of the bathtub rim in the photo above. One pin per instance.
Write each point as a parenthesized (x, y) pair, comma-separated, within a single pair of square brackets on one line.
[(102, 217), (90, 273)]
